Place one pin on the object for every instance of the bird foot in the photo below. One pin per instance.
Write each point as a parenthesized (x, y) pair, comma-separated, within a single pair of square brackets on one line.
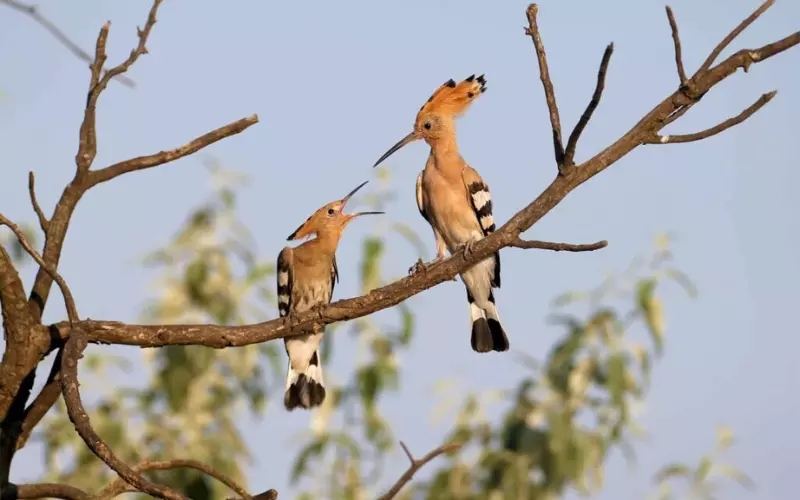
[(420, 266), (467, 248)]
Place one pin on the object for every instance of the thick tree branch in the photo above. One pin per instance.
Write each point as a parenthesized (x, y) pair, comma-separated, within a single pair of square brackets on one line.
[(569, 154), (416, 464), (49, 490), (69, 301), (676, 40), (43, 222), (558, 247), (154, 160), (73, 351), (394, 293), (119, 486), (32, 11), (704, 134), (544, 73)]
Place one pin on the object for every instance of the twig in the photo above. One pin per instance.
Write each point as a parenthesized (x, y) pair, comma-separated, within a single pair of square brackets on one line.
[(416, 464), (118, 485), (43, 222), (730, 122), (154, 160), (544, 73), (33, 12), (49, 490), (43, 402), (676, 40), (69, 301), (572, 143), (733, 34), (558, 247), (73, 351)]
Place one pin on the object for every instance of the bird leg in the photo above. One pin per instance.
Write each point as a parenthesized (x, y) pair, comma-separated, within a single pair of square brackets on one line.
[(467, 248)]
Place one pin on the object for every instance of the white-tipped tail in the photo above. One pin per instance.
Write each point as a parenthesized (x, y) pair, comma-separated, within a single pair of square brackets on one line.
[(305, 389)]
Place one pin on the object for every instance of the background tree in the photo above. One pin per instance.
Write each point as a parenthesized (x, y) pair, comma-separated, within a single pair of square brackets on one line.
[(212, 276)]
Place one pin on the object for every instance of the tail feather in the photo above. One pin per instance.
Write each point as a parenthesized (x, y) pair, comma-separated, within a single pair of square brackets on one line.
[(487, 330), (307, 389)]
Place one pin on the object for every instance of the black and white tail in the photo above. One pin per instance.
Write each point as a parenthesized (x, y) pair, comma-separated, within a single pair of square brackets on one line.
[(487, 330), (305, 389)]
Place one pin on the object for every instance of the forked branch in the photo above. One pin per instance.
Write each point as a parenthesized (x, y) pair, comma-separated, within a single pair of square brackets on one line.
[(676, 41), (73, 352), (716, 129), (416, 465)]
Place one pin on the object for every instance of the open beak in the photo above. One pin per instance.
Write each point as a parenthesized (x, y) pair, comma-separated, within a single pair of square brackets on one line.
[(350, 195), (405, 140)]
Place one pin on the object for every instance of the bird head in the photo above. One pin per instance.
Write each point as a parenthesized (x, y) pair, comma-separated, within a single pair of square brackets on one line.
[(329, 219), (436, 117)]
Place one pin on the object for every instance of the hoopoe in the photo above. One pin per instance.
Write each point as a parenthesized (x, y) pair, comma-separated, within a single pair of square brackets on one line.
[(307, 275), (456, 202)]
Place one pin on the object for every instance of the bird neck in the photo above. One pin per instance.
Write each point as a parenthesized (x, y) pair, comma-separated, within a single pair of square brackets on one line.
[(445, 154), (327, 240)]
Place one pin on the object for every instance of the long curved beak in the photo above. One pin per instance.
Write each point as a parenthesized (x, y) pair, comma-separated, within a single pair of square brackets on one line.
[(405, 140), (365, 213), (351, 193)]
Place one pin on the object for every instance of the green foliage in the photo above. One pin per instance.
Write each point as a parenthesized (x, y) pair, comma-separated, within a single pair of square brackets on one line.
[(9, 241), (193, 400), (703, 481)]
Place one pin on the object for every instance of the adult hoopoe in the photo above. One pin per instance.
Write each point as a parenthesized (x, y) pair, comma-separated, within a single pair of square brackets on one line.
[(455, 201), (307, 275)]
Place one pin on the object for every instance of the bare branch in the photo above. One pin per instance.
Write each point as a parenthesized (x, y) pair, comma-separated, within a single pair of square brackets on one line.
[(416, 464), (43, 402), (49, 490), (676, 40), (73, 351), (33, 12), (558, 247), (394, 293), (533, 31), (730, 122), (733, 34), (69, 301), (118, 486), (43, 222), (154, 160), (569, 155)]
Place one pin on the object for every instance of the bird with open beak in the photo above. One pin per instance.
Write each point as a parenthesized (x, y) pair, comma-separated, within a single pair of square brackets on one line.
[(457, 203), (307, 275)]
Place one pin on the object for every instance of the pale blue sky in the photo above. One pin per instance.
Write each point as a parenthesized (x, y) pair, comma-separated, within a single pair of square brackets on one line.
[(336, 84)]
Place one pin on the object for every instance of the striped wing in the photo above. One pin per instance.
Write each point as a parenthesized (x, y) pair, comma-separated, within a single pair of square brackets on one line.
[(420, 203), (285, 281), (480, 199), (334, 277)]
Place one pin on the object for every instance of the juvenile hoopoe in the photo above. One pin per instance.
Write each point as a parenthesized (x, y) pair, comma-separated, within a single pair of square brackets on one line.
[(456, 202), (307, 275)]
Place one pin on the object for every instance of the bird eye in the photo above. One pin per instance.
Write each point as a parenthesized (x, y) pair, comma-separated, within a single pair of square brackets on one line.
[(331, 211), (427, 125)]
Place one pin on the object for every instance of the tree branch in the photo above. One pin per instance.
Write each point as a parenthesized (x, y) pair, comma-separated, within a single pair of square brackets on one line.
[(704, 134), (676, 40), (118, 486), (48, 490), (32, 11), (731, 36), (416, 464), (154, 160), (69, 301), (558, 247), (394, 293), (43, 402), (43, 222), (549, 93), (569, 155), (73, 351)]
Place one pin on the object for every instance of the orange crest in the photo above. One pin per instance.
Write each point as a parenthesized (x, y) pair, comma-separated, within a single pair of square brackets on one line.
[(453, 98)]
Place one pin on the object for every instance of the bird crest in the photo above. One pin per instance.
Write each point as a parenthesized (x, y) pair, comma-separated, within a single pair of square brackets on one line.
[(453, 98)]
